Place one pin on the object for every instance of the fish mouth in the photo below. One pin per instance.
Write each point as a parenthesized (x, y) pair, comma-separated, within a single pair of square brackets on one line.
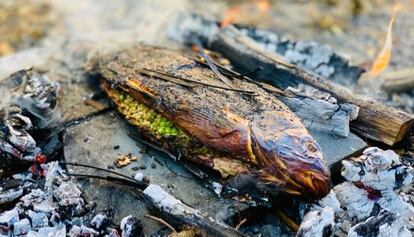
[(305, 182), (316, 184)]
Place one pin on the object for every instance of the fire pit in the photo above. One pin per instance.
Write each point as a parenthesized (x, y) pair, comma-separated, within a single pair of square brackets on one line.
[(192, 118)]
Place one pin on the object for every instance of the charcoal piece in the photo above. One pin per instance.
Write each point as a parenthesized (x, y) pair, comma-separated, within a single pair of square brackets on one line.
[(320, 59), (131, 227)]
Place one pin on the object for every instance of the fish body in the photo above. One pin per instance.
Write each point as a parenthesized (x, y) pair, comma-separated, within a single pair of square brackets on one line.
[(227, 130)]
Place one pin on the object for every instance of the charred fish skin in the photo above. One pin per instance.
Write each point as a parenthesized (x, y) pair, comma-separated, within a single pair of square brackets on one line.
[(259, 131)]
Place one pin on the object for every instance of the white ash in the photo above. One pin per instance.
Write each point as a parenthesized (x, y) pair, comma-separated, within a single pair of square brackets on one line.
[(35, 94), (310, 55), (165, 201), (130, 226), (357, 205), (38, 213), (372, 200), (217, 187), (40, 88), (308, 91), (139, 176), (38, 219), (319, 111), (68, 194), (38, 96), (381, 170), (124, 227), (58, 231), (7, 219), (10, 195), (382, 225), (54, 173), (15, 140), (331, 201), (188, 25), (24, 176), (98, 220), (112, 233), (21, 228), (55, 219), (318, 223), (38, 201), (82, 231)]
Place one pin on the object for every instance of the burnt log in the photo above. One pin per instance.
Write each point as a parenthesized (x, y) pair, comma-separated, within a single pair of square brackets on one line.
[(375, 121), (319, 111), (311, 55), (176, 211)]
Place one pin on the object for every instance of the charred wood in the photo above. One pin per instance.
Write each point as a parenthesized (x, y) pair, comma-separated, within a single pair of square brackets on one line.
[(375, 120), (318, 58), (175, 210), (319, 111), (313, 56)]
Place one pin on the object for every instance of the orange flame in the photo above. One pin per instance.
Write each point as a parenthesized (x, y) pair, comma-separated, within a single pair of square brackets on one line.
[(232, 13), (383, 58)]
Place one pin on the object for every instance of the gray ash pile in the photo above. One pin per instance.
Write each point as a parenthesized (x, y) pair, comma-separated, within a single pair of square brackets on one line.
[(315, 57), (53, 206), (37, 198)]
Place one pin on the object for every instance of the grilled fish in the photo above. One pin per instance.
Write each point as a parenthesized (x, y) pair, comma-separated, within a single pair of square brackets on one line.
[(227, 130)]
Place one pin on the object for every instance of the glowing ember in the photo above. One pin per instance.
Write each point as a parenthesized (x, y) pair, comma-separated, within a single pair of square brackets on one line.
[(232, 13), (383, 58)]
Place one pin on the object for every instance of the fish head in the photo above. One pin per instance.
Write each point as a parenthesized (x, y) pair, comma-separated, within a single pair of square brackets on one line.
[(289, 157)]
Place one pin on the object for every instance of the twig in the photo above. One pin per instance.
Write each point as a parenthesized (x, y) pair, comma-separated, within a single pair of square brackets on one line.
[(161, 221), (111, 179), (241, 223), (164, 77), (237, 75), (234, 74), (98, 168), (176, 173), (206, 84), (287, 220), (211, 64), (96, 104), (267, 87)]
